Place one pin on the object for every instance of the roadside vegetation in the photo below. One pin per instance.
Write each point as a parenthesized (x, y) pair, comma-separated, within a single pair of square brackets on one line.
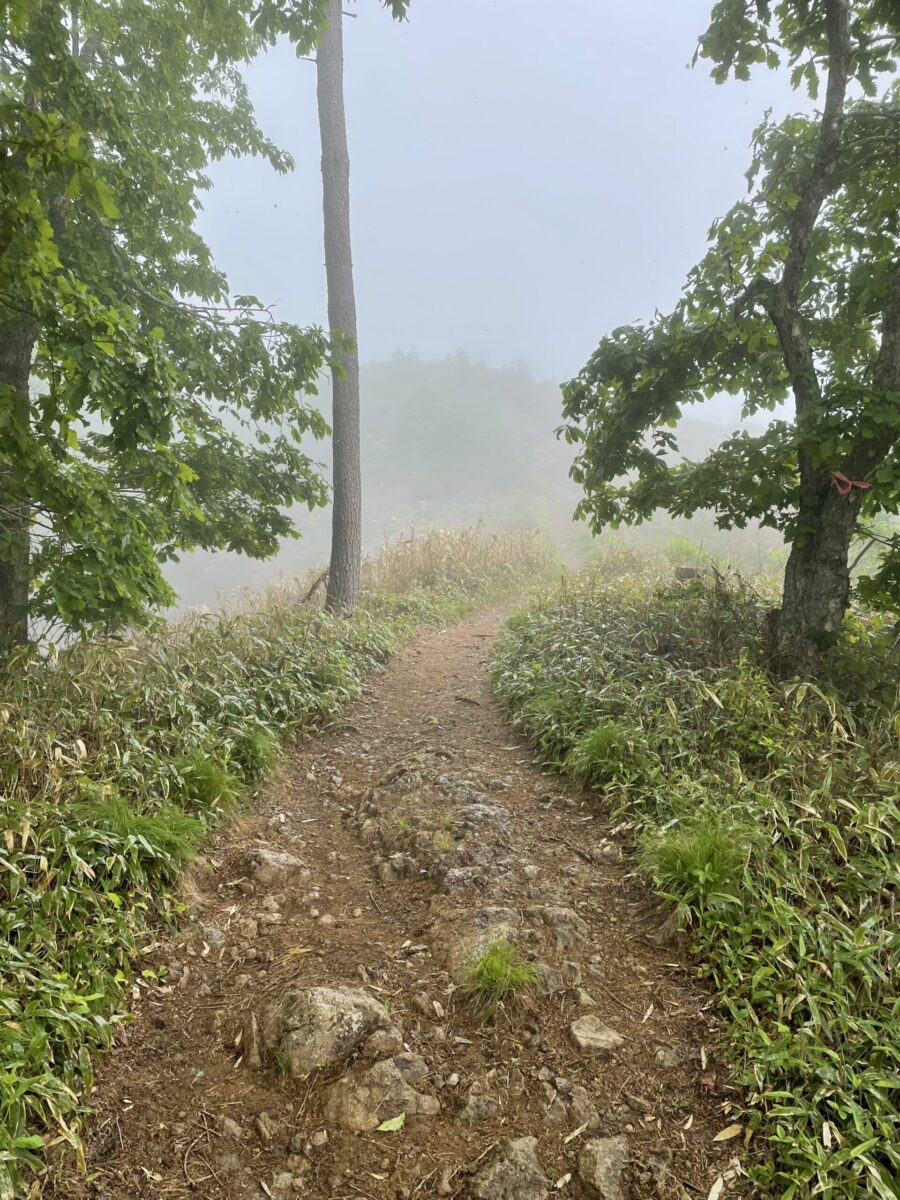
[(118, 758), (767, 813)]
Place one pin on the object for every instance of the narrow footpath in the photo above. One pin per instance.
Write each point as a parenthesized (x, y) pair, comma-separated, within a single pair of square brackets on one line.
[(315, 989)]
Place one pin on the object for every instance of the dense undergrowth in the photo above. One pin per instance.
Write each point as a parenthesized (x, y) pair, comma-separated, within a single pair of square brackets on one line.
[(116, 760), (768, 813)]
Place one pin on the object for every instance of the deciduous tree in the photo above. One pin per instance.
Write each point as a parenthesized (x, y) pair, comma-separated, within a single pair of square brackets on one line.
[(798, 298), (143, 409)]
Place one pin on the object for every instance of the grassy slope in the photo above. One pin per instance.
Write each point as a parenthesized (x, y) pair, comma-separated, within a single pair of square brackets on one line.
[(115, 761), (768, 814)]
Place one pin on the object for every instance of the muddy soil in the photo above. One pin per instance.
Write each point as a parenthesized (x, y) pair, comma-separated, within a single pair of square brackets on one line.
[(384, 857)]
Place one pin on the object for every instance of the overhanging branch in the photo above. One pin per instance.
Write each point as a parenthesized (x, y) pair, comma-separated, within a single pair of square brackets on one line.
[(782, 299), (820, 180)]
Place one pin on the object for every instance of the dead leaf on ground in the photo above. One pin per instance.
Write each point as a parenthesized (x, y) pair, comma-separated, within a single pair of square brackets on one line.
[(732, 1131), (574, 1134)]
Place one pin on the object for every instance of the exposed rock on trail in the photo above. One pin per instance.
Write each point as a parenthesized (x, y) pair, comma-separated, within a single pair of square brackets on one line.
[(364, 1100), (319, 989), (591, 1035), (601, 1165), (273, 866), (311, 1030), (513, 1174)]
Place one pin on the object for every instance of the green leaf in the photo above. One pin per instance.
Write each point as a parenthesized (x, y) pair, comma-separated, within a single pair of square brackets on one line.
[(392, 1125), (105, 197)]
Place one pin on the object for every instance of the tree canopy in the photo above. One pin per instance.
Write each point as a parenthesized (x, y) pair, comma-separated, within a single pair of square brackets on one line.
[(143, 409), (798, 296)]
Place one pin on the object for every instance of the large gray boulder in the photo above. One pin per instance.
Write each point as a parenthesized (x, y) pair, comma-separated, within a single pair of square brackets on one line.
[(322, 1027)]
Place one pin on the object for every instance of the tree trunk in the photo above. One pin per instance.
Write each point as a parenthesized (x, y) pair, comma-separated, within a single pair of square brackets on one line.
[(346, 520), (17, 340), (817, 578), (816, 582)]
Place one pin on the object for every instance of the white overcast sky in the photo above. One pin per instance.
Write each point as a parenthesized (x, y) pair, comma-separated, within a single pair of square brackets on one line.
[(526, 174)]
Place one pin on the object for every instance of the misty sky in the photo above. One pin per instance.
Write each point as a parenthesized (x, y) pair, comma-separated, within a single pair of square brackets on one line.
[(526, 175)]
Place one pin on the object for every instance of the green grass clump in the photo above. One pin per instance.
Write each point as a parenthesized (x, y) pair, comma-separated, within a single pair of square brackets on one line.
[(605, 753), (769, 813), (696, 864), (169, 835), (254, 751), (498, 973), (205, 784), (117, 757)]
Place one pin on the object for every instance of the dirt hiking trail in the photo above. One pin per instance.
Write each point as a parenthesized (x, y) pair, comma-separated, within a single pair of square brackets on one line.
[(311, 995)]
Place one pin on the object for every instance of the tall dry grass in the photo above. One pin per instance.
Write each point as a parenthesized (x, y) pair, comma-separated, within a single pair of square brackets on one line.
[(461, 563)]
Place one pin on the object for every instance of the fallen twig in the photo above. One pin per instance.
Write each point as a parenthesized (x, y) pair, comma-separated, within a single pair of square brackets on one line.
[(184, 1163), (612, 995), (211, 1170), (583, 854)]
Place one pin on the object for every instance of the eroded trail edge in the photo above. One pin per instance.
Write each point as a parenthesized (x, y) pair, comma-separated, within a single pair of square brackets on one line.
[(313, 993)]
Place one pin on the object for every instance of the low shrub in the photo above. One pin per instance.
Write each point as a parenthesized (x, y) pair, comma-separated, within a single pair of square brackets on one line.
[(768, 812), (116, 758)]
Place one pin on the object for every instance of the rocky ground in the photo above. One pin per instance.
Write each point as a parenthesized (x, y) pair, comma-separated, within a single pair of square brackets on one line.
[(316, 990)]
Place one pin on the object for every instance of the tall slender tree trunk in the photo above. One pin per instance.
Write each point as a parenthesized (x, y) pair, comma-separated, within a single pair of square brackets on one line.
[(17, 338), (346, 521)]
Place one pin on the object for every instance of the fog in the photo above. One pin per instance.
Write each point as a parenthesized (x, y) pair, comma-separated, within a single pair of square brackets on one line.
[(525, 177)]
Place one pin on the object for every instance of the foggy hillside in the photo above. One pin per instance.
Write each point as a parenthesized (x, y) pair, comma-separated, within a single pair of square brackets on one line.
[(447, 442), (450, 442)]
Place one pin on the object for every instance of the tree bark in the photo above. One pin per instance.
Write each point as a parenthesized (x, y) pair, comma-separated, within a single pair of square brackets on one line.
[(817, 578), (816, 582), (346, 521), (17, 339)]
